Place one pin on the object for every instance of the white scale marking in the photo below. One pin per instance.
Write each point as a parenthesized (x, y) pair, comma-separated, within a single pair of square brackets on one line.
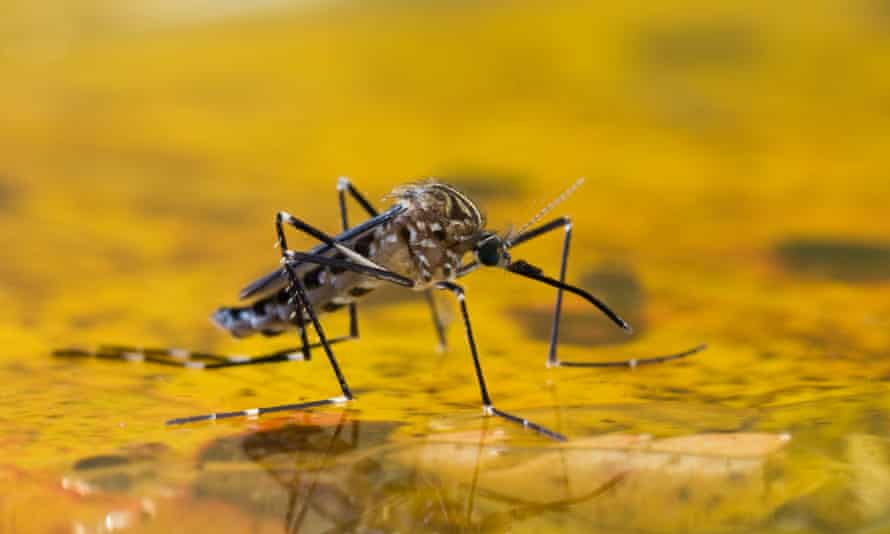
[(181, 354)]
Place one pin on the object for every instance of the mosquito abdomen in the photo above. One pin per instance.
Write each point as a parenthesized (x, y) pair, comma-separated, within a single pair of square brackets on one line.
[(268, 316), (274, 314)]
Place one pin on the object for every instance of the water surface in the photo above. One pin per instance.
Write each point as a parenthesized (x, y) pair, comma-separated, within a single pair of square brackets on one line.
[(736, 194)]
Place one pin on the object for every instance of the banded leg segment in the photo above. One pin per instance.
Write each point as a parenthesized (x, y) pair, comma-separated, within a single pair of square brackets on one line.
[(175, 357), (344, 186), (292, 258), (552, 357), (566, 224), (204, 360), (299, 297), (487, 406)]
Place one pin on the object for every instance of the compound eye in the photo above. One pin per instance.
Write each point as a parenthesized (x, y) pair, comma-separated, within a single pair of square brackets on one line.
[(489, 252)]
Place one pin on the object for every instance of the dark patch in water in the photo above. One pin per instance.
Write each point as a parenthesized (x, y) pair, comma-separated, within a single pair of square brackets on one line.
[(292, 438), (877, 14), (113, 482), (846, 260), (119, 472), (72, 353), (721, 44), (684, 494), (394, 370), (9, 193), (100, 461), (616, 285)]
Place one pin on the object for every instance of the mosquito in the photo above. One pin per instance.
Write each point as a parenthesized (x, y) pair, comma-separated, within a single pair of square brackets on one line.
[(432, 236)]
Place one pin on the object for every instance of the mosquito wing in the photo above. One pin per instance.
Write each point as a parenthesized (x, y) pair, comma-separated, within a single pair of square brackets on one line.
[(265, 284), (277, 279)]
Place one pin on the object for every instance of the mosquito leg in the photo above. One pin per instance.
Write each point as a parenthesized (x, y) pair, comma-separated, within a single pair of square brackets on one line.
[(190, 359), (299, 296), (283, 217), (293, 258), (437, 320), (278, 278), (253, 412), (636, 362), (344, 186), (566, 224), (177, 357), (300, 322), (487, 406), (552, 358), (303, 299)]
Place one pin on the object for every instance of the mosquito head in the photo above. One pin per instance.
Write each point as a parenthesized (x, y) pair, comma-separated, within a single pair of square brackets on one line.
[(491, 251)]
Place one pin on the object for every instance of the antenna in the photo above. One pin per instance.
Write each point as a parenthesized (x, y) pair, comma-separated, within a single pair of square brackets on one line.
[(558, 200)]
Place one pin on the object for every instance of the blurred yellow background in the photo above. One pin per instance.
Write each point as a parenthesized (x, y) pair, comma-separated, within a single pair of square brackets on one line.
[(737, 191)]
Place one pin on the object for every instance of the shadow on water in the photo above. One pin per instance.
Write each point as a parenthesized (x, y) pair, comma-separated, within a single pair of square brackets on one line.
[(615, 284), (845, 260)]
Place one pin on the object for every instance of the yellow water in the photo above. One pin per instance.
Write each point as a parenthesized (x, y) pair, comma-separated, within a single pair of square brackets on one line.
[(737, 191)]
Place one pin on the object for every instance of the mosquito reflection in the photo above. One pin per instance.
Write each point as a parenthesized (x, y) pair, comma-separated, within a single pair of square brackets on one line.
[(337, 474)]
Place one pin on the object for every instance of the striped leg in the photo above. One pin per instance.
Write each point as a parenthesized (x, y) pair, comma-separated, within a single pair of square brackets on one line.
[(552, 358), (344, 186), (566, 224), (487, 406), (298, 292), (176, 357), (204, 360)]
